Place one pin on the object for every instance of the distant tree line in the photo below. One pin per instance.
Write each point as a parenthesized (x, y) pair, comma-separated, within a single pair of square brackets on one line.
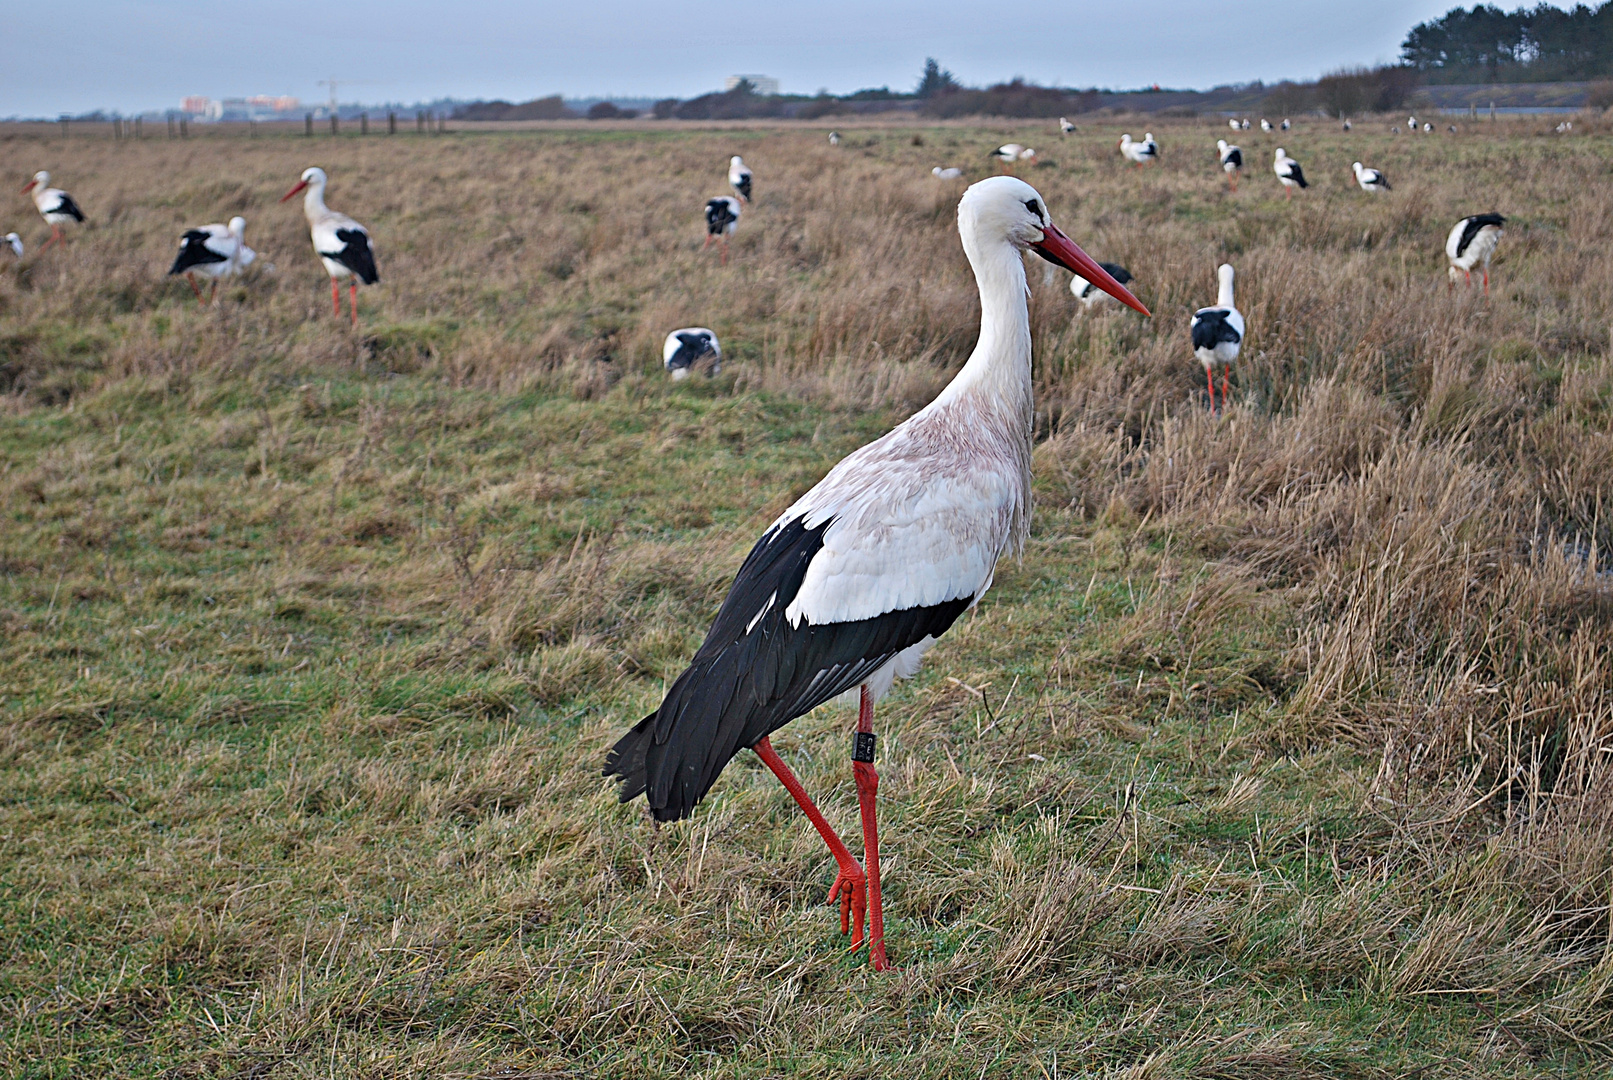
[(1538, 44)]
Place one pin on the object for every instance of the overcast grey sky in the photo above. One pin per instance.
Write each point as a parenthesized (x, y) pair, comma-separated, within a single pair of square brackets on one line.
[(120, 54)]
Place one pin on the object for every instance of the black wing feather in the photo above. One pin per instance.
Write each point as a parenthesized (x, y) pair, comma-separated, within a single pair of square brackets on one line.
[(1235, 157), (1116, 271), (753, 675), (356, 254), (691, 348), (719, 215), (193, 251), (1296, 174), (1210, 328), (743, 187), (1474, 224), (69, 207)]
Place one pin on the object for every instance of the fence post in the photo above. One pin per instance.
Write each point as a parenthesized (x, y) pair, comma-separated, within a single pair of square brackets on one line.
[(117, 129), (335, 125), (308, 125), (364, 123), (251, 129), (391, 123), (1492, 112), (64, 127), (139, 127), (184, 128), (170, 125)]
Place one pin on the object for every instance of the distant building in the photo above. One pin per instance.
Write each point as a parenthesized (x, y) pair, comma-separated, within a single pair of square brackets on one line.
[(761, 83), (203, 108), (257, 107)]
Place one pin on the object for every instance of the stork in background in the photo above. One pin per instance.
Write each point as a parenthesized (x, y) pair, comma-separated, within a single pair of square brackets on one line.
[(834, 138), (1370, 179), (739, 177), (1066, 127), (1217, 334), (850, 586), (722, 218), (1089, 294), (1139, 152), (341, 243), (1008, 155), (688, 348), (13, 244), (1472, 242), (1231, 160), (946, 174), (215, 251), (55, 206), (1288, 171)]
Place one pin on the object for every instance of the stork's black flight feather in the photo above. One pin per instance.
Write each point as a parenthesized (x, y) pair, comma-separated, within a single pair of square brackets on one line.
[(67, 206), (719, 215), (1210, 328), (755, 673), (355, 254), (194, 252), (1471, 229)]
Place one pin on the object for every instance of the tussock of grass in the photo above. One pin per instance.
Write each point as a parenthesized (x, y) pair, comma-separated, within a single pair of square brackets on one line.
[(1283, 752)]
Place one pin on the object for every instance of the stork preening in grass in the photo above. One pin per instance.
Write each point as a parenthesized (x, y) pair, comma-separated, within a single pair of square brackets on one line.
[(1265, 125), (739, 177), (1245, 125), (1428, 128), (214, 251), (341, 243), (1218, 334), (13, 244), (834, 138), (1288, 171), (55, 206), (722, 218), (1285, 125), (1370, 179), (850, 586), (1234, 125), (946, 174), (1088, 293), (1472, 242), (1066, 127), (691, 347), (1139, 152), (1231, 160), (1347, 125)]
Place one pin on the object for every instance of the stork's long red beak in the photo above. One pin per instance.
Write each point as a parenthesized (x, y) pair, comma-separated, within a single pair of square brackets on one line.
[(29, 186), (300, 185), (1060, 250)]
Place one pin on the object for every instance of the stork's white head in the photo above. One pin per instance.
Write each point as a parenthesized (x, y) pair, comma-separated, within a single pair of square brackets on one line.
[(14, 242), (1357, 168), (41, 180), (1148, 136), (736, 162), (1125, 140), (1281, 153), (312, 177), (237, 227), (1221, 145), (1006, 210)]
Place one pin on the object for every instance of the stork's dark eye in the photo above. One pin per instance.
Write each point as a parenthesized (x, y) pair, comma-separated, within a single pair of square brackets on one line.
[(1036, 208)]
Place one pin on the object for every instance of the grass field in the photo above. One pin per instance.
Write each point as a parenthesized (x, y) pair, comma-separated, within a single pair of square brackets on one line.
[(1285, 751)]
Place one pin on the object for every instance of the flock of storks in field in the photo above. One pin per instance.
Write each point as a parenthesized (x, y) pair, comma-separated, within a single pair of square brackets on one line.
[(849, 587)]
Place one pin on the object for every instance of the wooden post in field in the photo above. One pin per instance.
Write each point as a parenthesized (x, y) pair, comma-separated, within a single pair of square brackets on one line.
[(391, 123), (117, 130), (363, 123), (335, 125), (170, 125), (419, 123), (1492, 112), (308, 125), (64, 127), (184, 127), (139, 128), (251, 129)]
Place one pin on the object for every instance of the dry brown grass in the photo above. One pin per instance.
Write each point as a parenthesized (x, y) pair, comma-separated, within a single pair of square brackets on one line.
[(1285, 751)]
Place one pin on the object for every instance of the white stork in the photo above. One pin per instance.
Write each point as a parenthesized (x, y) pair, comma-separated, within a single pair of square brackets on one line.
[(722, 218), (13, 244), (1411, 123), (739, 176), (1370, 179), (214, 251), (1428, 128), (1245, 125), (1288, 171), (1008, 155), (341, 243), (946, 174), (1346, 125), (1231, 160), (1139, 152), (1285, 125), (1088, 293), (850, 586), (1472, 242), (55, 206), (1217, 334), (1066, 127), (834, 138), (690, 347), (1265, 125), (1233, 124)]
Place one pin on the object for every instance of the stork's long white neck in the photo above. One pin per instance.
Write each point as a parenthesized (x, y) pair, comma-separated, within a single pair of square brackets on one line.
[(313, 201), (1223, 296)]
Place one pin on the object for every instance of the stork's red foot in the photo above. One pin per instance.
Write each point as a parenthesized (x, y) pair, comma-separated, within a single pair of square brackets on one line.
[(851, 889)]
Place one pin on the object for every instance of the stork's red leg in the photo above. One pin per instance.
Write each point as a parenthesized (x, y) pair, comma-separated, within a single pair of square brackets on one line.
[(1209, 377), (352, 300), (213, 292), (862, 767), (851, 885), (55, 235), (193, 288), (336, 297), (707, 245), (724, 243), (1486, 281), (1226, 370)]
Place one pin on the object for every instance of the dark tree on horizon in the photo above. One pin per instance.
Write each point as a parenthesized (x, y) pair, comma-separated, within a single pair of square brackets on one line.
[(1539, 44), (935, 81)]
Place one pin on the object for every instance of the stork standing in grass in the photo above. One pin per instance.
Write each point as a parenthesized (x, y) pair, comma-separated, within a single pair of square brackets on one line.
[(1472, 242), (1088, 293), (13, 244), (1008, 155), (1233, 124), (1370, 179), (1139, 152), (722, 218), (849, 587), (1231, 160), (1066, 127), (688, 348), (1288, 171), (341, 243), (1265, 125), (214, 251), (834, 138), (739, 177), (1218, 334), (946, 174), (55, 206)]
